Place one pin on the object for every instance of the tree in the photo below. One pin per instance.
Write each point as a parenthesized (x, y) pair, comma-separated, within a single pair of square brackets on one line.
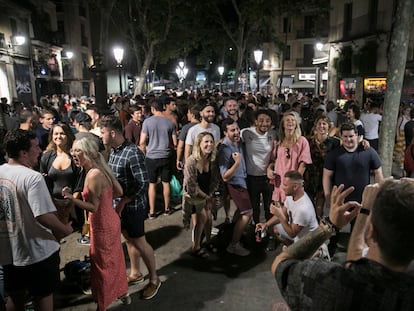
[(397, 57)]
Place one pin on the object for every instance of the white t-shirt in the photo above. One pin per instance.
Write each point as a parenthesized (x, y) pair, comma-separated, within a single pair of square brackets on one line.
[(197, 129), (24, 196), (302, 213), (258, 150), (371, 123)]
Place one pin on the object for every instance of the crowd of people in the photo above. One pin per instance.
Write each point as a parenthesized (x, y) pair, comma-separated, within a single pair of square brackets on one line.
[(283, 162)]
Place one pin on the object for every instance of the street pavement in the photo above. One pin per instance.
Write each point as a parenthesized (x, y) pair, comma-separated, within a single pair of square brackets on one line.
[(221, 282)]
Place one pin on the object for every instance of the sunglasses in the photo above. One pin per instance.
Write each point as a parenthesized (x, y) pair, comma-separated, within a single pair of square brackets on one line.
[(287, 152)]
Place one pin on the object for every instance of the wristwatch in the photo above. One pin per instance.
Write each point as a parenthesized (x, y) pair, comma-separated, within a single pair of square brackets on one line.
[(331, 227)]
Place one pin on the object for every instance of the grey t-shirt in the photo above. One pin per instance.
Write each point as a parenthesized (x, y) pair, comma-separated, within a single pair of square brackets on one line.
[(159, 131)]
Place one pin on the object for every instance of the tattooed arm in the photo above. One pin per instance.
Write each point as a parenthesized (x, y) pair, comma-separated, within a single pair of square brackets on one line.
[(339, 215)]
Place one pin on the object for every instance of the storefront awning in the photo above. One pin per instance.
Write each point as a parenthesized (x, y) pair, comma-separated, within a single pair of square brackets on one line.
[(287, 82)]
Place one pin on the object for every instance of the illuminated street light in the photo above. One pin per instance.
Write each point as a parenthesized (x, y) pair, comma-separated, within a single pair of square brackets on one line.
[(181, 70), (69, 54), (119, 55), (258, 54), (220, 71), (19, 40)]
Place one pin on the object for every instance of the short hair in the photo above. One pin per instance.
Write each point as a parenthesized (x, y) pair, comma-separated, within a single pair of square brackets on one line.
[(195, 110), (296, 104), (357, 111), (132, 109), (16, 141), (197, 150), (294, 175), (157, 104), (263, 111), (348, 126), (226, 122), (93, 108), (112, 123), (25, 115), (228, 99), (393, 220)]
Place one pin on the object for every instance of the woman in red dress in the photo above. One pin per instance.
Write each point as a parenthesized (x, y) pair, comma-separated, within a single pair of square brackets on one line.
[(108, 280)]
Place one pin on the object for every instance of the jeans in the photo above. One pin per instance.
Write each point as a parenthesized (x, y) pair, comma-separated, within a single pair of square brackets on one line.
[(259, 185)]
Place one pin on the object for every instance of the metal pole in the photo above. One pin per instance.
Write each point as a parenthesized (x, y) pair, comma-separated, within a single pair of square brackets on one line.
[(120, 79), (257, 79)]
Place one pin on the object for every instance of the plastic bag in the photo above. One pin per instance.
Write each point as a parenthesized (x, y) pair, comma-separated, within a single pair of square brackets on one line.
[(175, 186)]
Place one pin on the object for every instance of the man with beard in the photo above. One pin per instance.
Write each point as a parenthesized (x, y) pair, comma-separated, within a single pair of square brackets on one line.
[(233, 171), (297, 216), (207, 114), (258, 142), (231, 110)]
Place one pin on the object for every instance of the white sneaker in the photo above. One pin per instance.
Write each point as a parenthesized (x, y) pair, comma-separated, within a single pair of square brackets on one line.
[(237, 249)]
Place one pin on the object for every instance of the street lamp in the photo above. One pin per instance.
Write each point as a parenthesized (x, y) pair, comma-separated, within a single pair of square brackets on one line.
[(119, 55), (220, 71), (181, 70), (258, 54)]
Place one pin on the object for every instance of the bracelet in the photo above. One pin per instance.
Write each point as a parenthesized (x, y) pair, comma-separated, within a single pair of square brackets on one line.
[(364, 211), (331, 227)]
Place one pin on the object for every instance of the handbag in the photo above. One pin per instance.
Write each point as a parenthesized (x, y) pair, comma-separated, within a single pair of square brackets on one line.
[(85, 226), (175, 186)]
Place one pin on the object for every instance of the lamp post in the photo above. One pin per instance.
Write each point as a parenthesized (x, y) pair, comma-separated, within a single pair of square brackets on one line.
[(181, 70), (119, 55), (221, 71), (258, 54)]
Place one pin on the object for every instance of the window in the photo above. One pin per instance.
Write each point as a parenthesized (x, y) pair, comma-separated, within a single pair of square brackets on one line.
[(309, 25), (2, 41), (13, 26), (308, 54), (286, 25), (287, 52), (373, 15), (347, 19)]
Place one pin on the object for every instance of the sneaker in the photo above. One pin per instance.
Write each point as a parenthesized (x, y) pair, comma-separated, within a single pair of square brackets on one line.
[(152, 216), (135, 280), (237, 249), (214, 231), (169, 211), (125, 299), (151, 289), (84, 240)]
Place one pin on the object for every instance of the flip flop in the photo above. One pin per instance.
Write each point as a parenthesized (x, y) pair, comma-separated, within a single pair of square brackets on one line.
[(200, 253)]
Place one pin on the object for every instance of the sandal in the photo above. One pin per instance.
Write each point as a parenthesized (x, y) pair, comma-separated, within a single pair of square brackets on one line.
[(200, 253)]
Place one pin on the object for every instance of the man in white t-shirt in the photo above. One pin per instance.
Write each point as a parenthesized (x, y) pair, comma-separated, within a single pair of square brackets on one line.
[(258, 142), (207, 114), (29, 228), (297, 217), (371, 121)]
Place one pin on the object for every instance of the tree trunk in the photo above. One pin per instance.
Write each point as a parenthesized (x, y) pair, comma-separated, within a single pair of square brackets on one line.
[(149, 56), (397, 57)]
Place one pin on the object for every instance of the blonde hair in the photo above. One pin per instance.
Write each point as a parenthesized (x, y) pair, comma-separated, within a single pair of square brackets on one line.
[(91, 152), (197, 150), (297, 133)]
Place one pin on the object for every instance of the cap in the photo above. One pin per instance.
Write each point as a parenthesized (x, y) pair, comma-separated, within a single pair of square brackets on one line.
[(82, 117)]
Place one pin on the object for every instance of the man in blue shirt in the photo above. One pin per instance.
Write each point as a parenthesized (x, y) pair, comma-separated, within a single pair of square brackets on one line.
[(233, 171)]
